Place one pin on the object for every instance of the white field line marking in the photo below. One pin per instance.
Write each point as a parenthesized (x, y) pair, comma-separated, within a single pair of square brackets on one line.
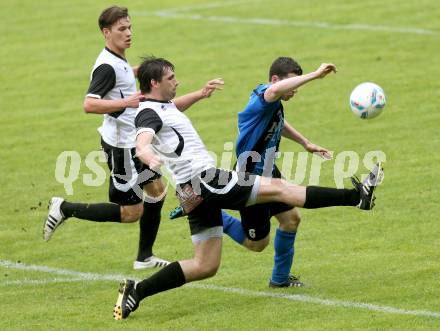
[(57, 271), (86, 276), (208, 6), (27, 281), (278, 22), (320, 301)]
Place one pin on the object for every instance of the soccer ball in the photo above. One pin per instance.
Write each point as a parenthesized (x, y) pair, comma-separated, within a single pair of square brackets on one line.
[(367, 100)]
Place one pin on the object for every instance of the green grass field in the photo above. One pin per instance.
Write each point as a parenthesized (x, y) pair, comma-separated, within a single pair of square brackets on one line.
[(377, 270)]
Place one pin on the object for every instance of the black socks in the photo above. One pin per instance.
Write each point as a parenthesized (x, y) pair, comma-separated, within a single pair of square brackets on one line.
[(319, 197), (148, 227), (96, 212), (167, 278)]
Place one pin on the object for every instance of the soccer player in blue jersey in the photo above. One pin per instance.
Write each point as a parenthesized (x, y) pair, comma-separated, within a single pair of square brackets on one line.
[(261, 125)]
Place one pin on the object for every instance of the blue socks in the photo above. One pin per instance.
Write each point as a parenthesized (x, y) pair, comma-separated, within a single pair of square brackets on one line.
[(232, 227), (283, 259), (284, 247)]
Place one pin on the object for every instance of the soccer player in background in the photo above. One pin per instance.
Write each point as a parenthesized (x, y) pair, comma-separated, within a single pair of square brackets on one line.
[(112, 92), (166, 136), (261, 125)]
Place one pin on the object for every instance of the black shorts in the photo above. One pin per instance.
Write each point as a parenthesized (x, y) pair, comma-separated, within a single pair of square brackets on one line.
[(219, 189), (255, 219), (128, 175)]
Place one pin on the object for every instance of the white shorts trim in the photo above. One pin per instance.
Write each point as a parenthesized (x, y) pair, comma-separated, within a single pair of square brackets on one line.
[(255, 188), (214, 232)]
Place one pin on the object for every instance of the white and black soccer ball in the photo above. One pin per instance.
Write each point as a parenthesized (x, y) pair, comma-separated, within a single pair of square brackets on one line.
[(367, 100)]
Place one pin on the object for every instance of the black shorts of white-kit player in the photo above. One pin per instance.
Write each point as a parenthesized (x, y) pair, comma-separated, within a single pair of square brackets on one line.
[(219, 189), (255, 219), (112, 78), (184, 154), (126, 173)]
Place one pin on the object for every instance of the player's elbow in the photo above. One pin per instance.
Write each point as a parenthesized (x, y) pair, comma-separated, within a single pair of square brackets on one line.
[(272, 93), (88, 106)]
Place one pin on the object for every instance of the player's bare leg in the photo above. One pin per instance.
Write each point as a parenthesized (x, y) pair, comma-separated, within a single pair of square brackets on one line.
[(206, 260), (204, 264)]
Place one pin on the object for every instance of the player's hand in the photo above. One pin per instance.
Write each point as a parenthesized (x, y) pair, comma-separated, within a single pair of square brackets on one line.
[(154, 162), (148, 157), (211, 86), (324, 69), (318, 150), (133, 100)]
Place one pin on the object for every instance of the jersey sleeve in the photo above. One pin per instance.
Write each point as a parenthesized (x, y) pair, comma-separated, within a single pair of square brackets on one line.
[(103, 80), (258, 105), (147, 120)]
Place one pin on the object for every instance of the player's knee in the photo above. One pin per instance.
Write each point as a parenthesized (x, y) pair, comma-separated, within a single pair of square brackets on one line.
[(130, 214), (279, 188), (292, 222), (155, 188), (296, 219), (207, 270), (256, 246)]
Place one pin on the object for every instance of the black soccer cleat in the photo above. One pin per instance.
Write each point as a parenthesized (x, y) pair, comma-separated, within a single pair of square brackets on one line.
[(128, 300), (292, 281), (366, 189)]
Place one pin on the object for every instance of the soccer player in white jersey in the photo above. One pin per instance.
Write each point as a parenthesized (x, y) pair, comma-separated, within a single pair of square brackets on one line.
[(165, 135), (112, 93)]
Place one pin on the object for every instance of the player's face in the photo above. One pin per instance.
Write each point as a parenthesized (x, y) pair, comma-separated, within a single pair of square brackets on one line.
[(289, 95), (118, 37), (168, 85)]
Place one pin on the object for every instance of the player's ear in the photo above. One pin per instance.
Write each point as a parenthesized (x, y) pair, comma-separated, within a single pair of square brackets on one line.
[(154, 83), (106, 32), (274, 79)]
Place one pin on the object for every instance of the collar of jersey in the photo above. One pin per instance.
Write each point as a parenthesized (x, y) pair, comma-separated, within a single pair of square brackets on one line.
[(117, 55), (154, 100)]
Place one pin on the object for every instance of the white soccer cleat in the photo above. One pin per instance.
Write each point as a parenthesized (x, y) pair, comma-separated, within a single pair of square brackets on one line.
[(54, 218), (150, 262)]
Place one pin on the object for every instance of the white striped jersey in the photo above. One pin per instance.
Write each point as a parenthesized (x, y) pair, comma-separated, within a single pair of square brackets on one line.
[(112, 78), (175, 141)]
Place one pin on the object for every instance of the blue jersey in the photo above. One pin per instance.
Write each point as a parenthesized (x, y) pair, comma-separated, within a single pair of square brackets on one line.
[(260, 125)]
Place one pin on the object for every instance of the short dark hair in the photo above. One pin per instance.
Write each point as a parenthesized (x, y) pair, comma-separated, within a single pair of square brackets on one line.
[(152, 68), (284, 66), (111, 15)]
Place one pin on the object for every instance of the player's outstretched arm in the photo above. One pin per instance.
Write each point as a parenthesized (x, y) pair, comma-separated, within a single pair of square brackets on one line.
[(276, 90), (185, 101), (144, 151), (291, 133)]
